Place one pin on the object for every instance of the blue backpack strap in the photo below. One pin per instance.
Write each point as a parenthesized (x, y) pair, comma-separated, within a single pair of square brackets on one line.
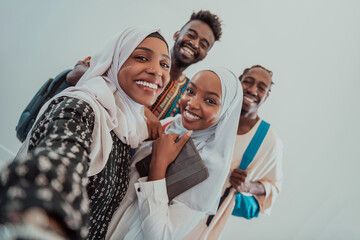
[(254, 145), (247, 206)]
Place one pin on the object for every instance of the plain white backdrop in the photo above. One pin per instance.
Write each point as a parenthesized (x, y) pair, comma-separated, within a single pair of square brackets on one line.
[(313, 48)]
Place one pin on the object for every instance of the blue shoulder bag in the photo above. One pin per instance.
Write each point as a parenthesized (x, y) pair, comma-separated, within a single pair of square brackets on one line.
[(247, 206)]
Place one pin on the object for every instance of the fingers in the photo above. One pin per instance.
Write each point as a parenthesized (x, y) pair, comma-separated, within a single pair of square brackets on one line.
[(239, 187), (160, 131), (239, 171), (184, 139), (238, 176), (156, 132)]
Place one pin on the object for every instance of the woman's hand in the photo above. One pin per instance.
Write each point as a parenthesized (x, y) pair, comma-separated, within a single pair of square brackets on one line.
[(164, 152), (153, 124)]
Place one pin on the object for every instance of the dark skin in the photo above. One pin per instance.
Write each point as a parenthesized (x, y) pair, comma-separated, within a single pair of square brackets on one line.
[(256, 87), (164, 152), (238, 177), (195, 37)]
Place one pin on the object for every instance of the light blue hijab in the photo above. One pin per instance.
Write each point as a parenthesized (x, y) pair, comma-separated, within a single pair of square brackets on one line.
[(215, 145)]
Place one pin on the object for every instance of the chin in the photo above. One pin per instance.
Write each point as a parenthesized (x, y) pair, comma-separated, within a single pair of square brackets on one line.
[(145, 102)]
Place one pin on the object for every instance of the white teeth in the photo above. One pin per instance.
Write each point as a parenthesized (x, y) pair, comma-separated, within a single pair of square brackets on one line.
[(147, 84), (249, 99), (189, 115), (188, 51)]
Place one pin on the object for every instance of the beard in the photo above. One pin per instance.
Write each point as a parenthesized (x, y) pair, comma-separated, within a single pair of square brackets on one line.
[(179, 60)]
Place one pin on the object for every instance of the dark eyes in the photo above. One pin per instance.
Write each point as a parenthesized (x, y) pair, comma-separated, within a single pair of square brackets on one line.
[(210, 101), (191, 35), (261, 89), (142, 58), (165, 65), (145, 59), (203, 45), (249, 83), (189, 91)]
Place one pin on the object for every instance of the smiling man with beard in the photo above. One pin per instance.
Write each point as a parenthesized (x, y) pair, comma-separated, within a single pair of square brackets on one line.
[(192, 43)]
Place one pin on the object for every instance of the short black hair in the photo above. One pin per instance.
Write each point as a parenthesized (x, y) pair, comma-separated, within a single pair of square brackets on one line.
[(257, 66), (210, 19)]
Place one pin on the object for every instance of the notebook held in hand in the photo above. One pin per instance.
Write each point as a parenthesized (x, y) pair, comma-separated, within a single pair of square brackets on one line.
[(187, 170)]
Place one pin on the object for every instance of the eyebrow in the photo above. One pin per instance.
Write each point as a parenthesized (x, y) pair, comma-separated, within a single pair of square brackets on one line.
[(192, 30), (151, 51), (211, 93)]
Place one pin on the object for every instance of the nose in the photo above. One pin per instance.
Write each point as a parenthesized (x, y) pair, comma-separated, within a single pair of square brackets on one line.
[(195, 43), (155, 70), (193, 103), (252, 90)]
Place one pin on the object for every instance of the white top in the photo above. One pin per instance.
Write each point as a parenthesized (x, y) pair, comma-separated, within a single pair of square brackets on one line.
[(150, 214), (265, 168), (145, 208)]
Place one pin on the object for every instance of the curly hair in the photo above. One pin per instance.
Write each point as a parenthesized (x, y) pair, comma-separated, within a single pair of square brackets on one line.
[(257, 66), (210, 19)]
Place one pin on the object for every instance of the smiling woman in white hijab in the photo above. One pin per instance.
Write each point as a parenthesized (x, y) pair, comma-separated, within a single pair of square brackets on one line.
[(210, 107), (74, 164)]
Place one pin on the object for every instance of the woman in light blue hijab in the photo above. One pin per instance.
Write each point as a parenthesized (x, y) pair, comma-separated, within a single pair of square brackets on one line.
[(146, 212)]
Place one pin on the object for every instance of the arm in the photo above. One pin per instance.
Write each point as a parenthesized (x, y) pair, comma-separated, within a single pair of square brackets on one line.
[(272, 184), (267, 171), (153, 124), (241, 183), (53, 175), (161, 220)]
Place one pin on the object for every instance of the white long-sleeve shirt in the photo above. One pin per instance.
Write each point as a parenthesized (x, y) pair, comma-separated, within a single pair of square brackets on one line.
[(145, 213)]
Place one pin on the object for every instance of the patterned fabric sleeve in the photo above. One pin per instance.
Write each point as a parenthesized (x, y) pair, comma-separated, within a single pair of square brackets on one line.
[(53, 176)]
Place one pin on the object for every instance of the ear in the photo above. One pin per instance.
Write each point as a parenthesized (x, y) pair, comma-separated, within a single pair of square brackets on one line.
[(176, 34)]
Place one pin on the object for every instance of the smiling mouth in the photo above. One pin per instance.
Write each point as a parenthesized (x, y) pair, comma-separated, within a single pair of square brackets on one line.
[(191, 116), (147, 84), (249, 99), (188, 51)]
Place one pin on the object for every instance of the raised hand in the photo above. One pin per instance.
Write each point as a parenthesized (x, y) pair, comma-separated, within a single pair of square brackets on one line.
[(153, 124), (165, 150)]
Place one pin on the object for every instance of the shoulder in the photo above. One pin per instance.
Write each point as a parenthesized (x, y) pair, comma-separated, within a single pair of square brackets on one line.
[(166, 121), (71, 107), (272, 141)]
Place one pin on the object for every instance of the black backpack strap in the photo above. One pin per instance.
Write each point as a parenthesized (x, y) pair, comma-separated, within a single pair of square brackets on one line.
[(50, 88)]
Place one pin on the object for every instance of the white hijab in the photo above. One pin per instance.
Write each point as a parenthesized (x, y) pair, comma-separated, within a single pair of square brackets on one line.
[(114, 109), (215, 145)]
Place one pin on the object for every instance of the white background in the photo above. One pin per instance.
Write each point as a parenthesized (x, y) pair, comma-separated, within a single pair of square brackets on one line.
[(311, 46)]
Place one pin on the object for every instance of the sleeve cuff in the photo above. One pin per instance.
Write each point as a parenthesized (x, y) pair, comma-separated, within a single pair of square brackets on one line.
[(153, 189)]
